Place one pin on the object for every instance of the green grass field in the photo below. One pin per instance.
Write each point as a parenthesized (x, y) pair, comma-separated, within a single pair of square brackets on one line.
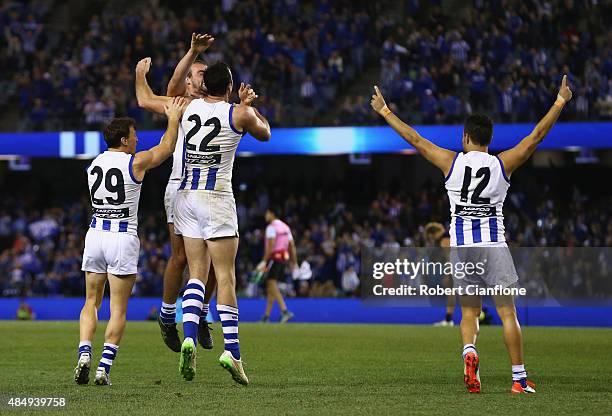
[(308, 369)]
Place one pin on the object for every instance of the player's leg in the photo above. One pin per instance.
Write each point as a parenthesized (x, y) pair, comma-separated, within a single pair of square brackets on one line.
[(275, 272), (513, 338), (193, 302), (286, 315), (88, 321), (204, 336), (173, 281), (223, 254), (269, 299), (471, 306), (120, 290), (447, 282), (450, 301)]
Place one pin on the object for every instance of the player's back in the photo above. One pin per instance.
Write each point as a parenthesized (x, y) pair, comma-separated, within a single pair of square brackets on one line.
[(210, 146), (114, 192), (477, 185)]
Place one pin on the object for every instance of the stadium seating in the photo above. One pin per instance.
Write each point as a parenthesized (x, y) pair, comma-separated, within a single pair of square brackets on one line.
[(313, 72)]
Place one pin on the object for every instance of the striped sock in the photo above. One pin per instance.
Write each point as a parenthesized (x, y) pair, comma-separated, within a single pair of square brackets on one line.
[(193, 300), (108, 356), (468, 348), (519, 374), (229, 322), (167, 313), (85, 348), (205, 310)]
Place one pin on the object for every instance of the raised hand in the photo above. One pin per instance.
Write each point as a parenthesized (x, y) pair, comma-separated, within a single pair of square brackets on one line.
[(199, 42), (378, 103), (564, 92), (143, 66), (246, 94), (174, 109)]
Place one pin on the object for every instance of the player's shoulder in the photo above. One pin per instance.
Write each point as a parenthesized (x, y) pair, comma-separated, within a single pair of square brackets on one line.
[(478, 157), (242, 111)]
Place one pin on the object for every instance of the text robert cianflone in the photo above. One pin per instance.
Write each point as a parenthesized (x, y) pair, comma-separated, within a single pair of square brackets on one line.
[(469, 290), (412, 269)]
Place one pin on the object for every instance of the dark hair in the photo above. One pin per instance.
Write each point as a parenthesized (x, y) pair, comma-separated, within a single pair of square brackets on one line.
[(217, 78), (480, 129), (116, 129)]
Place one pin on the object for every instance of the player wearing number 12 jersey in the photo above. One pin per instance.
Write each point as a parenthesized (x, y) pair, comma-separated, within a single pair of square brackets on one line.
[(477, 183), (111, 244)]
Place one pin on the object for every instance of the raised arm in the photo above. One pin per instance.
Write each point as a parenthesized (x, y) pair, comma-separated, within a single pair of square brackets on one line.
[(199, 43), (148, 159), (144, 95), (515, 157), (442, 158), (248, 119)]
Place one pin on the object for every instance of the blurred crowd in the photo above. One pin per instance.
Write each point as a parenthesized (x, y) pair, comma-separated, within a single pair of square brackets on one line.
[(40, 248), (297, 55), (503, 57), (306, 59)]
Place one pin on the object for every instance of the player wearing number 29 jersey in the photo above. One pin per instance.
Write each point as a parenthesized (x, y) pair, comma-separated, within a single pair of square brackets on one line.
[(477, 183), (111, 244), (115, 193)]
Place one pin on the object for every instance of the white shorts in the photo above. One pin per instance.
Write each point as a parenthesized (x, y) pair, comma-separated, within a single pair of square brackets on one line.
[(170, 199), (110, 252), (205, 215)]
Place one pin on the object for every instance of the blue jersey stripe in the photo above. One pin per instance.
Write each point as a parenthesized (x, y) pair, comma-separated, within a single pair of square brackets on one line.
[(131, 169), (493, 229), (503, 169), (184, 181), (93, 222), (450, 172), (231, 121), (211, 179), (106, 224), (195, 178), (459, 230), (476, 237), (123, 226)]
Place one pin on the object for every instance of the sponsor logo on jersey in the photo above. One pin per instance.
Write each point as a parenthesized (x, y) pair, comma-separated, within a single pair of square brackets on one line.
[(475, 211), (111, 213), (202, 159)]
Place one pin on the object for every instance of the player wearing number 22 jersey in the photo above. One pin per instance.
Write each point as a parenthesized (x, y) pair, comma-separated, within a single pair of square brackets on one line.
[(111, 244), (477, 183), (205, 211), (210, 146)]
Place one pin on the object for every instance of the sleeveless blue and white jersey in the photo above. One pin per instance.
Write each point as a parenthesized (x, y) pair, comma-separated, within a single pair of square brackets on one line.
[(210, 146), (176, 174), (114, 193), (477, 186)]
